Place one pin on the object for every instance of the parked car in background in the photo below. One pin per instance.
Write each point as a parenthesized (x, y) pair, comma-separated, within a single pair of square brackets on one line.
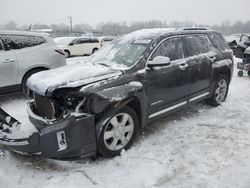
[(233, 40), (23, 54), (106, 40), (78, 45), (242, 45), (98, 107), (244, 66)]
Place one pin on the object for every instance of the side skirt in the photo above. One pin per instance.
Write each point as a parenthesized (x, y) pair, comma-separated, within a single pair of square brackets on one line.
[(176, 106)]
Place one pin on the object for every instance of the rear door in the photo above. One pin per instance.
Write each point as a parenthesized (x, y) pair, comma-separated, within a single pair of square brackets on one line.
[(88, 46), (168, 85), (197, 50), (8, 66)]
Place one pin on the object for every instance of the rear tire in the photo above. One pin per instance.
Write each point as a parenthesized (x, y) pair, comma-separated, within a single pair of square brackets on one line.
[(118, 133), (240, 73), (220, 91)]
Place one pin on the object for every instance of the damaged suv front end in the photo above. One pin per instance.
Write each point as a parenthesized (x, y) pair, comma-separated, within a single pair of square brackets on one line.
[(69, 103)]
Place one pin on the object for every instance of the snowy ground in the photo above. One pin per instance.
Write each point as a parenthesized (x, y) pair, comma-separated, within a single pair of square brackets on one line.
[(197, 147)]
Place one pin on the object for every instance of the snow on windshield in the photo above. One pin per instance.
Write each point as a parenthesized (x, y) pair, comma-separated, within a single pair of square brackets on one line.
[(120, 55), (125, 51)]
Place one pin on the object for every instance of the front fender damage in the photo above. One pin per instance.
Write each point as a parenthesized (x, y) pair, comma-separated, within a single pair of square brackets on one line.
[(73, 136), (101, 99)]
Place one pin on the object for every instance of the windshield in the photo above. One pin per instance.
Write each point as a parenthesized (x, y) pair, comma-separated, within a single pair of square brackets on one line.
[(63, 41), (119, 54)]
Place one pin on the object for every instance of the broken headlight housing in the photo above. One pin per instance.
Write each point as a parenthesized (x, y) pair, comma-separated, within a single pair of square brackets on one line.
[(71, 101)]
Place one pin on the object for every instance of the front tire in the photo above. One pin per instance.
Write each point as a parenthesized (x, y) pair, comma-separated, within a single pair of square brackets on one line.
[(118, 133), (94, 50), (67, 54), (220, 91)]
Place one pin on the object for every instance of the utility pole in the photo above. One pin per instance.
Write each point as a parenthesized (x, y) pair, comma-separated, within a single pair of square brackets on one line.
[(71, 24)]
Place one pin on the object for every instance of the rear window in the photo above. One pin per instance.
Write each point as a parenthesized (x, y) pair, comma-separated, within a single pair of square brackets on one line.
[(196, 44), (219, 42), (22, 41)]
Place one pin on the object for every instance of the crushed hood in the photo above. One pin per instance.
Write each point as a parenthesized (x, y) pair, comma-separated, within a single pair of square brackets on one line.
[(44, 83)]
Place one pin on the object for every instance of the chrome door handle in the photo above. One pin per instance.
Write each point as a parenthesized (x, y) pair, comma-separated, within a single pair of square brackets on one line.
[(183, 66), (8, 60)]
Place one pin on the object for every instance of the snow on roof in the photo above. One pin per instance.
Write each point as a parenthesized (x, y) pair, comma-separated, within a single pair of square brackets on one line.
[(145, 33)]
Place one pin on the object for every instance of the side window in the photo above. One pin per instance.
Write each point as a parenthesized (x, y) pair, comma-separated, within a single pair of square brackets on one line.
[(84, 41), (196, 44), (94, 40), (219, 42), (1, 46), (171, 48), (75, 41), (21, 41)]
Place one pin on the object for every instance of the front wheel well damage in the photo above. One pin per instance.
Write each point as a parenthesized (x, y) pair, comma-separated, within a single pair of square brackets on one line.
[(226, 72), (136, 106)]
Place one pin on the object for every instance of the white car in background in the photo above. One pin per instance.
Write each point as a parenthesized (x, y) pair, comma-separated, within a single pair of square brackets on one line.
[(78, 45), (23, 54), (106, 40)]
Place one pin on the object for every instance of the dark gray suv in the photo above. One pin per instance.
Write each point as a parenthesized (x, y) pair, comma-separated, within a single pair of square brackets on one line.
[(98, 106)]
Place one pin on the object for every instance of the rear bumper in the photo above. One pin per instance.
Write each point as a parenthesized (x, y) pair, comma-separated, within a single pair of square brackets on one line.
[(70, 138)]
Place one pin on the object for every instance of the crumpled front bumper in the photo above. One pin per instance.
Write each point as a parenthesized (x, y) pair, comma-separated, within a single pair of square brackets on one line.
[(70, 138)]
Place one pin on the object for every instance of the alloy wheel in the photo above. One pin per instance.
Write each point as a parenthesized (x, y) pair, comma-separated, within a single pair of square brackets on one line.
[(119, 131), (221, 91)]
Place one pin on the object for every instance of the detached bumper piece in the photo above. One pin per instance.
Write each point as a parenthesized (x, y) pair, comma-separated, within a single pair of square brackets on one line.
[(70, 138)]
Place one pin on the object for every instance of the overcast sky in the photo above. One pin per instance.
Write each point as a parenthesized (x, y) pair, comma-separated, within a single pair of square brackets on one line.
[(96, 11)]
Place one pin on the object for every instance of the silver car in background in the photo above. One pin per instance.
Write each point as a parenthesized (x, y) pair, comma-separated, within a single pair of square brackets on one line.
[(23, 54)]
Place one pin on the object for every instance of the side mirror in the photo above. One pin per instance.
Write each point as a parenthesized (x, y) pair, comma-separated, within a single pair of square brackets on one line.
[(159, 61)]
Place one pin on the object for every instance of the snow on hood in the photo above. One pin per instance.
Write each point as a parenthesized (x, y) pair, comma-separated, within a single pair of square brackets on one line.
[(44, 83)]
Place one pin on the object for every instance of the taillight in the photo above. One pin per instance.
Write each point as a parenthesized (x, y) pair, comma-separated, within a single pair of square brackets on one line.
[(60, 51)]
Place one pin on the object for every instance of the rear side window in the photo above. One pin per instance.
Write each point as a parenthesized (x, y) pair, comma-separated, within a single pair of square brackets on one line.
[(94, 40), (171, 48), (196, 44), (22, 41), (219, 42)]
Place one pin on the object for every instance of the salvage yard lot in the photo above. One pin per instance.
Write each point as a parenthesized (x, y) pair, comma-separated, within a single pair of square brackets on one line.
[(200, 146)]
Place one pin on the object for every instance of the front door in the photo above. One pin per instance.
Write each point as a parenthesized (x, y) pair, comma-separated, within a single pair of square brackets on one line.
[(168, 85), (8, 67)]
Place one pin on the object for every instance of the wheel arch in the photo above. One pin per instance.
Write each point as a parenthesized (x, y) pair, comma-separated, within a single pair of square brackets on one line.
[(33, 69)]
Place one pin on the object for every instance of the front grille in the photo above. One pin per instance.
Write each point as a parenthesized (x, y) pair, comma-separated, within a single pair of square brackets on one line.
[(44, 107)]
